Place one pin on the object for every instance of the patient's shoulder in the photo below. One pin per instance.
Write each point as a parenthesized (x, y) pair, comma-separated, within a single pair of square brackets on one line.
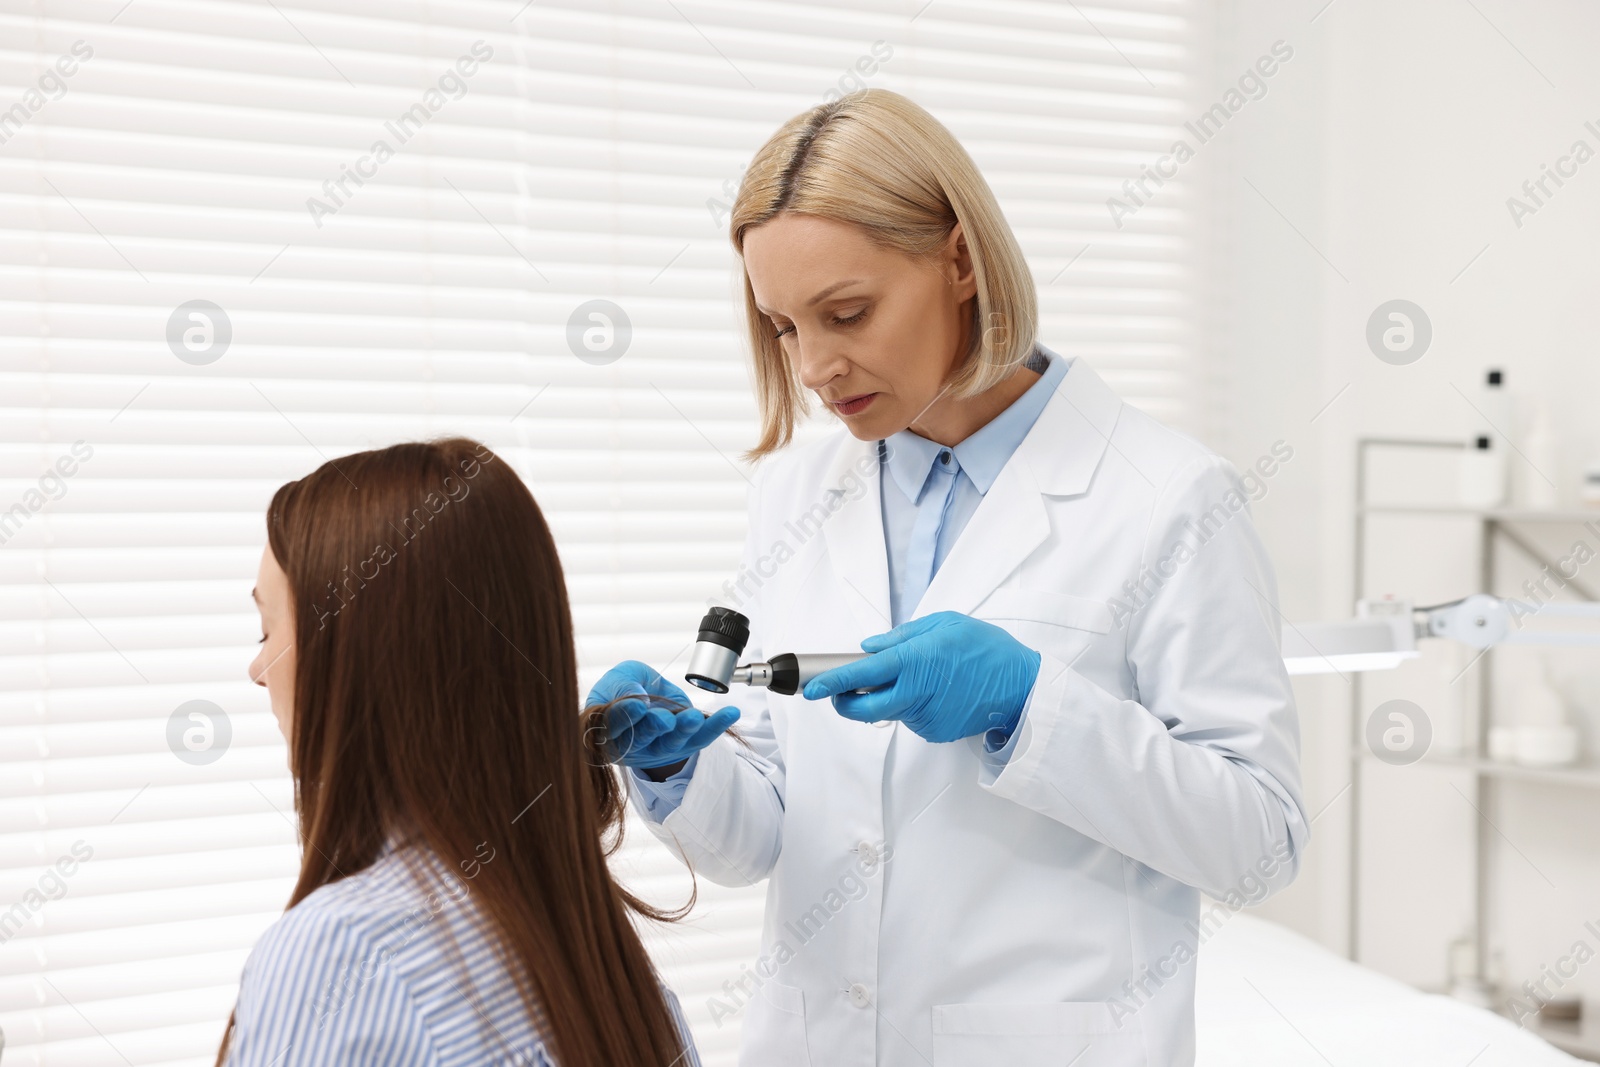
[(335, 923), (374, 914), (368, 959)]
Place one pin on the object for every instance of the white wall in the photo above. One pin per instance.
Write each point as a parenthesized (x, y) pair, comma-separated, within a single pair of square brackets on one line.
[(1378, 166)]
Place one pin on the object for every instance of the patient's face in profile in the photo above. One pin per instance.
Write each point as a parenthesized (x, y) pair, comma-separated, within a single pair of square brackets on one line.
[(273, 666)]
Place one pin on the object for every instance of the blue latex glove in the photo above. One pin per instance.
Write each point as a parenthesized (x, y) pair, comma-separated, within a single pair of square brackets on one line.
[(945, 675), (643, 733)]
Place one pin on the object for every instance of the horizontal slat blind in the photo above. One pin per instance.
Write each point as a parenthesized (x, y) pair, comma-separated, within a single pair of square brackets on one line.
[(209, 150)]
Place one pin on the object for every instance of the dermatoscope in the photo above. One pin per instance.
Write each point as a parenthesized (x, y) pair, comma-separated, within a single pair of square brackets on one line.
[(715, 659)]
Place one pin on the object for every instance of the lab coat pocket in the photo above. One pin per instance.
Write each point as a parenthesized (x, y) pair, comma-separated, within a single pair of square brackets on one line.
[(775, 1029), (1060, 609), (1080, 1032), (1064, 626)]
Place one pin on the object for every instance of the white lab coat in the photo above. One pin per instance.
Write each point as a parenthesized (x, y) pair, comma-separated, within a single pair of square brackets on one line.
[(1043, 909)]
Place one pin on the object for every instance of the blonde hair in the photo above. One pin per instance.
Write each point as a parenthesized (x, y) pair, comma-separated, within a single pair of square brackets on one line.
[(879, 161)]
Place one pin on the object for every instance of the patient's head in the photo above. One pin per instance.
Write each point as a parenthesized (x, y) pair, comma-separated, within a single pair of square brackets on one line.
[(417, 640), (365, 534), (418, 652)]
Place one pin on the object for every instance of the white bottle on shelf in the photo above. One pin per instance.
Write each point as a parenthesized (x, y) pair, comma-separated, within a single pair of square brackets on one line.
[(1495, 402), (1537, 479), (1483, 473), (1484, 468)]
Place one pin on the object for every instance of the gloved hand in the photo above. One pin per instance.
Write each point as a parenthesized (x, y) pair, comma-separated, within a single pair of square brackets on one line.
[(948, 676), (643, 733)]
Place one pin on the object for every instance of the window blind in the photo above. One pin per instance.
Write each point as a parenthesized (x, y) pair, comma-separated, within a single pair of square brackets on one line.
[(239, 237)]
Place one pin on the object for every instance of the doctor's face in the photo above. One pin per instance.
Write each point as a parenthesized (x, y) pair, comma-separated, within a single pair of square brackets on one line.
[(858, 319)]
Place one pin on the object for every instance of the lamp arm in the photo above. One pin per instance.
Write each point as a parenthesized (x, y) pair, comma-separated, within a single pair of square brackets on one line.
[(1480, 621)]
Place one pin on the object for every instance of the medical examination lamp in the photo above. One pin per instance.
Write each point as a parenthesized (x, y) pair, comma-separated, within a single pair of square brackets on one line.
[(1384, 633)]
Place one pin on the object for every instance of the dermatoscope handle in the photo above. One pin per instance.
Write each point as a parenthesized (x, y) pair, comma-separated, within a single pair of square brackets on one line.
[(788, 672)]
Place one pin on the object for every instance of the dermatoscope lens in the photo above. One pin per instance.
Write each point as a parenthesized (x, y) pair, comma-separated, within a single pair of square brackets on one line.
[(717, 648)]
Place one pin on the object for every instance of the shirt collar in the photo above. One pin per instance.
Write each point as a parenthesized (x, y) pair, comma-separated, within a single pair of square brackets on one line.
[(910, 456)]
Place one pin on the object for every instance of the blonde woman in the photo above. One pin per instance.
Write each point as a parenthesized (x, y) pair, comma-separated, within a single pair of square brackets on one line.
[(1074, 718)]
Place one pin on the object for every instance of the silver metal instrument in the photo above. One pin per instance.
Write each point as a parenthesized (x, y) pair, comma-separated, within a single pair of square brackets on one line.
[(714, 661)]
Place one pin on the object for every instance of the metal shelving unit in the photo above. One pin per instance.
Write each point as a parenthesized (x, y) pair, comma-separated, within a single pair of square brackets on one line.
[(1497, 525)]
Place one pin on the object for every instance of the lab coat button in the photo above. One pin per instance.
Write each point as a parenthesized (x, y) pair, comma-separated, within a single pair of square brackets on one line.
[(858, 995), (868, 853)]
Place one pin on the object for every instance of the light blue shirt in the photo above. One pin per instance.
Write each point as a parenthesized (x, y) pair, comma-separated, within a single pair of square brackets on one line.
[(936, 490), (376, 970)]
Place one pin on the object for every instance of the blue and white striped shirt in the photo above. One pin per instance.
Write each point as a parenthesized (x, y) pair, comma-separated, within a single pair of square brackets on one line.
[(377, 969)]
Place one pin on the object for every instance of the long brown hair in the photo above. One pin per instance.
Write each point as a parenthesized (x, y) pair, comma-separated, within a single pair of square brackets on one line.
[(435, 696)]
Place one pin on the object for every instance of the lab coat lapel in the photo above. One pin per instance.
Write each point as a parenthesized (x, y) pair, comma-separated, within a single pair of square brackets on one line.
[(854, 535), (1058, 457)]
